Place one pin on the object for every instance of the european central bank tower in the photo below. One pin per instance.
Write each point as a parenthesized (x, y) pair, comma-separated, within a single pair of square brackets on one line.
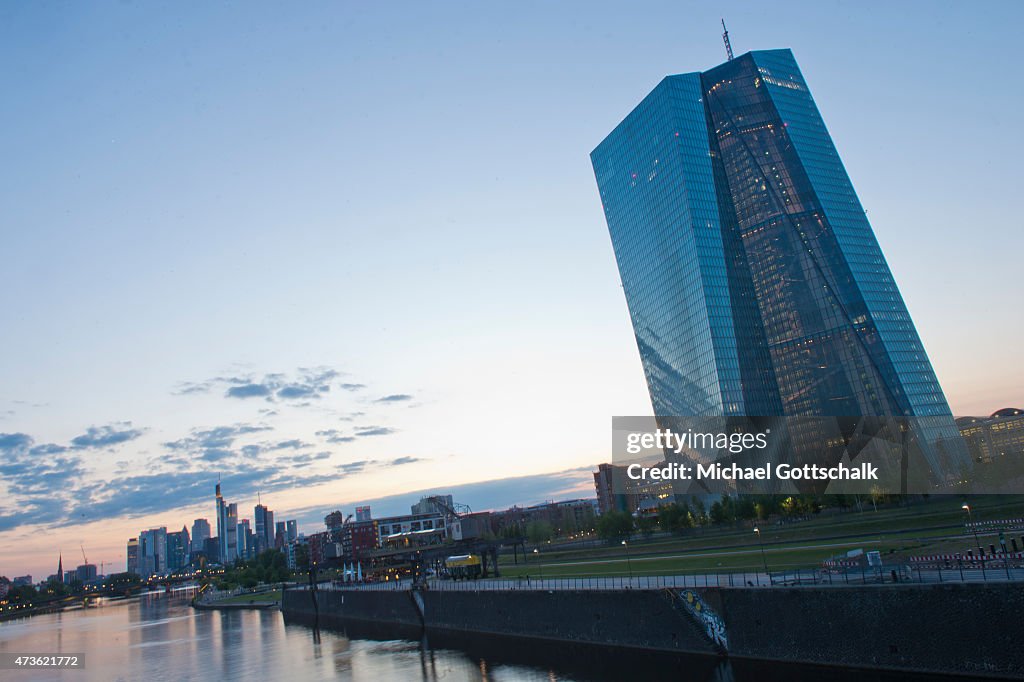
[(754, 281)]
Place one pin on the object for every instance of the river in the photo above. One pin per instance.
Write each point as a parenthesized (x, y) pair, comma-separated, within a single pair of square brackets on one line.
[(160, 638)]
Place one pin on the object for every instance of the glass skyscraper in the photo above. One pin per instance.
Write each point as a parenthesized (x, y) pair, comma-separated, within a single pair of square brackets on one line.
[(754, 282)]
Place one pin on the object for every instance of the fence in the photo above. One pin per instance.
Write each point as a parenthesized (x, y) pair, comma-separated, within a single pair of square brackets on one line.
[(863, 575)]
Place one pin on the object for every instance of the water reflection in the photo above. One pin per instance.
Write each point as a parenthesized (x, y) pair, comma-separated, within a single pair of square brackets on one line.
[(160, 637)]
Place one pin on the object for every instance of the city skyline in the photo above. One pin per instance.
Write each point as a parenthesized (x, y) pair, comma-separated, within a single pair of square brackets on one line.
[(220, 266)]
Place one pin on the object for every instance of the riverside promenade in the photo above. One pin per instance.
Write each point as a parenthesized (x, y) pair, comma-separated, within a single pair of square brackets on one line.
[(967, 627)]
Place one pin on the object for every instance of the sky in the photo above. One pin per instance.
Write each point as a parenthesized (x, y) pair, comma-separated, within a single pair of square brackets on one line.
[(341, 252)]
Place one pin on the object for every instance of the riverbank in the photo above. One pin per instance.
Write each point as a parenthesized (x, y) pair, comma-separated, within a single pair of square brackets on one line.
[(962, 629), (259, 600)]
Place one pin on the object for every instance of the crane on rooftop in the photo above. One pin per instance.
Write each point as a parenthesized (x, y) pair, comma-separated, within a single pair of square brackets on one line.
[(725, 38)]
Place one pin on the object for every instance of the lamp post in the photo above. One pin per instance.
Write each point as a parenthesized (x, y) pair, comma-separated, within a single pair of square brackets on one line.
[(540, 566), (629, 563), (977, 540), (764, 558)]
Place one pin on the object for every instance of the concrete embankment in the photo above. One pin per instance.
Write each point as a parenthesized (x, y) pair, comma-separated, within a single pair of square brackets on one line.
[(966, 629)]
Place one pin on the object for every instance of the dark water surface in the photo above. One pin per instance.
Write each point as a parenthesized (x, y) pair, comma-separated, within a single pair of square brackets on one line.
[(160, 637)]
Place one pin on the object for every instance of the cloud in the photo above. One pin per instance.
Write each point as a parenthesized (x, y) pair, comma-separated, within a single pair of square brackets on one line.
[(48, 449), (307, 384), (216, 454), (105, 436), (249, 391), (335, 436), (12, 442), (362, 431), (394, 398), (34, 484), (297, 391), (217, 437), (54, 500), (405, 460), (293, 444), (191, 388), (352, 387), (355, 467)]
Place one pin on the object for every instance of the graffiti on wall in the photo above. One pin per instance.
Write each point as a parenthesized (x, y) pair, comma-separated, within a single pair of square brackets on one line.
[(712, 622)]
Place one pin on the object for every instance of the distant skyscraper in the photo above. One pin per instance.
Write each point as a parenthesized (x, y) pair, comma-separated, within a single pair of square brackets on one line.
[(178, 550), (755, 284), (246, 540), (280, 534), (293, 530), (153, 552), (264, 528), (363, 514), (200, 534), (227, 524), (132, 563)]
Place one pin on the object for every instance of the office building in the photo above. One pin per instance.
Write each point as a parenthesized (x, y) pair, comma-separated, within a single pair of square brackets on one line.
[(178, 550), (200, 533), (280, 535), (85, 573), (996, 438), (245, 540), (227, 525), (754, 281), (152, 552), (264, 528), (132, 563)]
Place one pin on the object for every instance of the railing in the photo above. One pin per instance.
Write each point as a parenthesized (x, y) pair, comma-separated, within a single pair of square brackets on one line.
[(865, 575)]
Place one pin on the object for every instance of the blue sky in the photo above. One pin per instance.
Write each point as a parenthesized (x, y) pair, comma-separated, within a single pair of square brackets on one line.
[(233, 234)]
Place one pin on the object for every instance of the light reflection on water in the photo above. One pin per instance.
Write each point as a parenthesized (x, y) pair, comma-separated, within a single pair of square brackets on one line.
[(161, 638)]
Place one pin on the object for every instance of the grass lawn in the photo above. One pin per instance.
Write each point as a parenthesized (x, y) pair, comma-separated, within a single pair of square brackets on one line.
[(927, 527), (261, 598)]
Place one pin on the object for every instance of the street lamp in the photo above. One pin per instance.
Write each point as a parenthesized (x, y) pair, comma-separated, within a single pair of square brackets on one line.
[(977, 540), (629, 563), (764, 559), (539, 565)]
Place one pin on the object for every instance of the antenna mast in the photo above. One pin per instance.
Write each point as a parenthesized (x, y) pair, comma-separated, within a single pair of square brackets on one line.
[(725, 37)]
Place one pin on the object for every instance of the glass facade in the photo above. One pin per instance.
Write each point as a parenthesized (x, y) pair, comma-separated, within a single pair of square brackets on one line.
[(753, 279)]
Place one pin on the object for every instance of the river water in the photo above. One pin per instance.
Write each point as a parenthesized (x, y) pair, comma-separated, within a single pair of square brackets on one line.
[(159, 638)]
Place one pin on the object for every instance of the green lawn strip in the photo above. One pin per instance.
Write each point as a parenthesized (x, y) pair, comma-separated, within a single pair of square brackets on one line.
[(919, 541), (944, 518), (261, 598), (614, 561), (749, 560)]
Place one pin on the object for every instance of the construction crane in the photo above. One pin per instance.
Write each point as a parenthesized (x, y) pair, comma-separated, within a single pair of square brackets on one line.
[(84, 560), (725, 37)]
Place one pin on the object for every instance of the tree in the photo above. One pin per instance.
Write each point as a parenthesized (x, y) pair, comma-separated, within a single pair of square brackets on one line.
[(746, 510), (698, 512), (538, 532), (674, 518), (646, 524), (614, 525)]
